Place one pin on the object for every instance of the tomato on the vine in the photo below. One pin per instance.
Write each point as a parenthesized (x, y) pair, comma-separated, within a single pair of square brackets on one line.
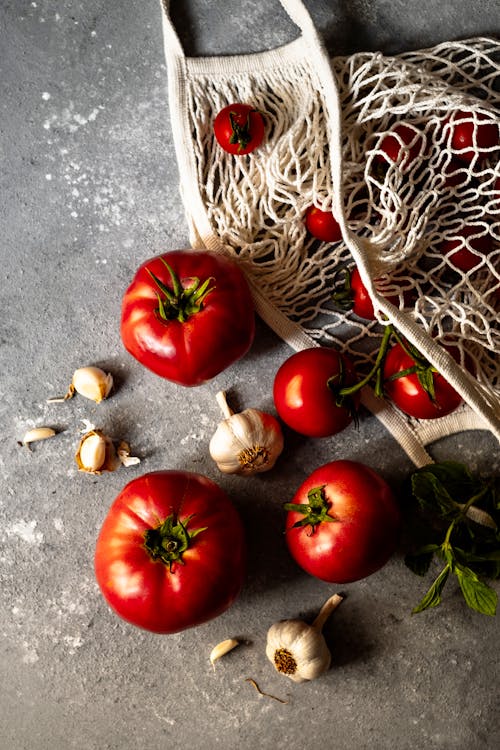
[(306, 392), (239, 128), (416, 387), (171, 552), (343, 523), (322, 225), (472, 134), (466, 247), (402, 145), (187, 315)]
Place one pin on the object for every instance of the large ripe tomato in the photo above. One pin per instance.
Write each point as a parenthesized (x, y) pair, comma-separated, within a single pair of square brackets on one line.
[(466, 247), (343, 523), (305, 392), (322, 225), (187, 315), (472, 134), (171, 552), (402, 145), (411, 391), (239, 128)]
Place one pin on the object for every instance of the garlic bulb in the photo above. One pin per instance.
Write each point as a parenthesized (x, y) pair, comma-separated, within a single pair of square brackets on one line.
[(90, 382), (299, 650), (245, 443)]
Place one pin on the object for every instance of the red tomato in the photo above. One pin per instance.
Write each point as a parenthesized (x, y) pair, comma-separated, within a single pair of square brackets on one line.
[(322, 225), (171, 552), (472, 134), (408, 392), (465, 251), (189, 326), (239, 128), (343, 523), (361, 302), (302, 395), (402, 145)]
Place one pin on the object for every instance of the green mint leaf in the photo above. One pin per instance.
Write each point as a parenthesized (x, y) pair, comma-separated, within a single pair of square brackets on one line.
[(419, 562), (432, 495), (433, 596), (477, 594)]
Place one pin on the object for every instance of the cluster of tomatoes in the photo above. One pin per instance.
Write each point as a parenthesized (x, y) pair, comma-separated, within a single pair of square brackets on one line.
[(171, 551)]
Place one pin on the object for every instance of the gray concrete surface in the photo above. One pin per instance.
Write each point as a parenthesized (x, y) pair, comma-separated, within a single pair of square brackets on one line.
[(88, 186)]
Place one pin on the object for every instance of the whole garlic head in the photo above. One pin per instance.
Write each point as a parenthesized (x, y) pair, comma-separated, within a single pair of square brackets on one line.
[(299, 650), (245, 443)]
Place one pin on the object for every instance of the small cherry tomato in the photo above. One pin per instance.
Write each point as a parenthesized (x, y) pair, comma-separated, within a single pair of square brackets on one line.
[(466, 248), (415, 387), (472, 134), (343, 523), (354, 296), (322, 225), (239, 129), (402, 145), (305, 392)]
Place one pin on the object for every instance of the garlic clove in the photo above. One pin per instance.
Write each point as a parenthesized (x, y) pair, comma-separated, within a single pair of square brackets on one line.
[(246, 443), (36, 434), (92, 383), (96, 453), (222, 648)]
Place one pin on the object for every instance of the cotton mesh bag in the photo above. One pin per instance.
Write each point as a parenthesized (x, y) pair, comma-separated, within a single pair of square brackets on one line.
[(419, 213)]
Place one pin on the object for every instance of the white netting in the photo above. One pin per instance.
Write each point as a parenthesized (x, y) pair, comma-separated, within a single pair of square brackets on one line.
[(404, 210)]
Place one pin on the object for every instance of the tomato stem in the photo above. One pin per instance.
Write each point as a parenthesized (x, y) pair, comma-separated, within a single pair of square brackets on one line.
[(168, 541), (315, 511), (179, 302), (240, 133)]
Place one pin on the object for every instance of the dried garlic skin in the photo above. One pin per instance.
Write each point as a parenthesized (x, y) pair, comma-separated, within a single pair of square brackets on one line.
[(297, 650), (36, 434), (247, 443), (92, 383)]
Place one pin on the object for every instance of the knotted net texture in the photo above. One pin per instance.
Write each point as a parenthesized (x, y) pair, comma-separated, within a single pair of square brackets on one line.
[(427, 211)]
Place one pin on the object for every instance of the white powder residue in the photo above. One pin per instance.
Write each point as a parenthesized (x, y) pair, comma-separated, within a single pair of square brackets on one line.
[(25, 530)]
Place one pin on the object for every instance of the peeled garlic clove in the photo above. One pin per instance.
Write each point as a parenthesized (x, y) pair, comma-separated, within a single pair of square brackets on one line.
[(37, 433), (245, 443), (92, 383), (222, 648), (96, 453)]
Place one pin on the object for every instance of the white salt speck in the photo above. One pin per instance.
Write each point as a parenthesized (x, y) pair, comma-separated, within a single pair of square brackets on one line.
[(58, 524), (75, 192), (33, 5), (74, 214), (46, 96), (93, 33), (48, 177)]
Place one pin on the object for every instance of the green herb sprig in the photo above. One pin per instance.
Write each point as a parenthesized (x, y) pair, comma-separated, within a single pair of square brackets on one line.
[(455, 517)]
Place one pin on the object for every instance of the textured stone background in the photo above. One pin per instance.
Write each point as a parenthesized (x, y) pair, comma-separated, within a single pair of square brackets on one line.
[(89, 189)]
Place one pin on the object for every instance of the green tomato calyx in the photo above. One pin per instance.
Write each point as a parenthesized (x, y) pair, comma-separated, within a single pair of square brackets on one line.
[(315, 511), (168, 541), (179, 302)]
